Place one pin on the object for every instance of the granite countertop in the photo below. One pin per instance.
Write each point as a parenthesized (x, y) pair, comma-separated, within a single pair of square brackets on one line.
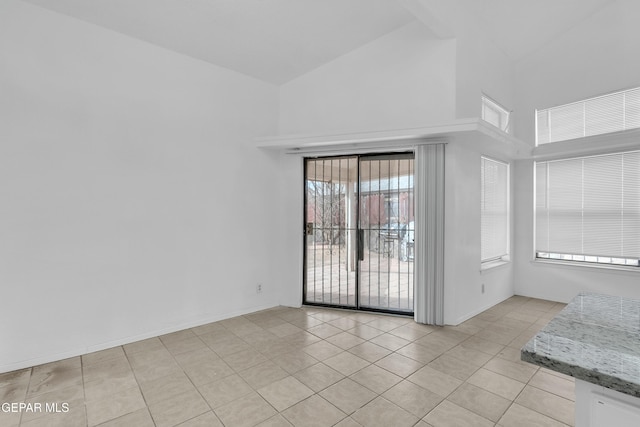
[(595, 338)]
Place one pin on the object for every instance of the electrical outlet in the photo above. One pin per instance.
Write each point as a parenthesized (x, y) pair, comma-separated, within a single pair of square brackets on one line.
[(482, 288), (259, 288)]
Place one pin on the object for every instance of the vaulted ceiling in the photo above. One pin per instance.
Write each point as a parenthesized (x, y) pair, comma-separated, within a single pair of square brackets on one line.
[(278, 40), (520, 27)]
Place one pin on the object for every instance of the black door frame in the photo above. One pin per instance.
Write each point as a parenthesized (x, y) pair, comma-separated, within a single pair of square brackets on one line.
[(359, 233)]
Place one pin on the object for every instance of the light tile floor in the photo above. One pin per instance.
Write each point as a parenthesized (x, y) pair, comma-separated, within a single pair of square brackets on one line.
[(308, 367)]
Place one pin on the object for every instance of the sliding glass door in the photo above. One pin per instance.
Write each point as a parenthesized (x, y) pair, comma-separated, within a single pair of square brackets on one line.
[(359, 232)]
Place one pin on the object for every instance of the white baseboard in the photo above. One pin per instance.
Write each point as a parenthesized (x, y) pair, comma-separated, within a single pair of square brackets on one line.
[(90, 348), (478, 311)]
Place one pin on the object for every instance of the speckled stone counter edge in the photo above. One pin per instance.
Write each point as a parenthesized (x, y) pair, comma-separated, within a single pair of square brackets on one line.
[(591, 375), (580, 373)]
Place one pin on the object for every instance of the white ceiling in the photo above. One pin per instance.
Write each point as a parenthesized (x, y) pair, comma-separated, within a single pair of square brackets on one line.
[(278, 40), (273, 40), (520, 27)]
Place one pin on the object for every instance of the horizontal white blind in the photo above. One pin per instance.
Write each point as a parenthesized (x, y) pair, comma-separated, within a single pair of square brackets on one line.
[(495, 114), (494, 212), (589, 207), (595, 116)]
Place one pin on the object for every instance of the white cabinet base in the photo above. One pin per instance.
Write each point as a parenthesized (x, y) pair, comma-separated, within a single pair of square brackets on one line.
[(597, 406)]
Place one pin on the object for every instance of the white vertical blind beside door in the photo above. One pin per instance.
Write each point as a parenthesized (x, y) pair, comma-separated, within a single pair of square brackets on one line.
[(429, 235)]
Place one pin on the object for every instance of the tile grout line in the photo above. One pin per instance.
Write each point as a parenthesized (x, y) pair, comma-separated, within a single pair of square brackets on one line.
[(126, 355), (498, 314)]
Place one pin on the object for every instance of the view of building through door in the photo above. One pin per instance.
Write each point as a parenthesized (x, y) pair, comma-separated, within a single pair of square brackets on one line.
[(359, 232)]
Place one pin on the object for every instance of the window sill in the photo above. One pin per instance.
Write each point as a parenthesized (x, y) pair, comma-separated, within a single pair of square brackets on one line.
[(578, 264), (490, 265), (625, 140)]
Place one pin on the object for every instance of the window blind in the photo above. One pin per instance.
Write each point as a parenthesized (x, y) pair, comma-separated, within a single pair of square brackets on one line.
[(494, 211), (595, 116), (495, 114), (588, 209)]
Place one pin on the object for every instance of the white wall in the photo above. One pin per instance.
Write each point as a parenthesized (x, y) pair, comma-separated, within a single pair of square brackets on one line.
[(290, 245), (552, 281), (564, 71), (480, 65), (481, 68), (598, 56), (407, 79), (133, 203), (463, 278), (402, 80)]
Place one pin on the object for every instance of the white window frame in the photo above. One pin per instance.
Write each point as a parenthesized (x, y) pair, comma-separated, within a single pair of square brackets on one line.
[(580, 258), (503, 115), (503, 257)]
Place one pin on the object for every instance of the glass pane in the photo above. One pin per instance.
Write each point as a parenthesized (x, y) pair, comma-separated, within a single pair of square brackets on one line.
[(386, 218), (330, 275)]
